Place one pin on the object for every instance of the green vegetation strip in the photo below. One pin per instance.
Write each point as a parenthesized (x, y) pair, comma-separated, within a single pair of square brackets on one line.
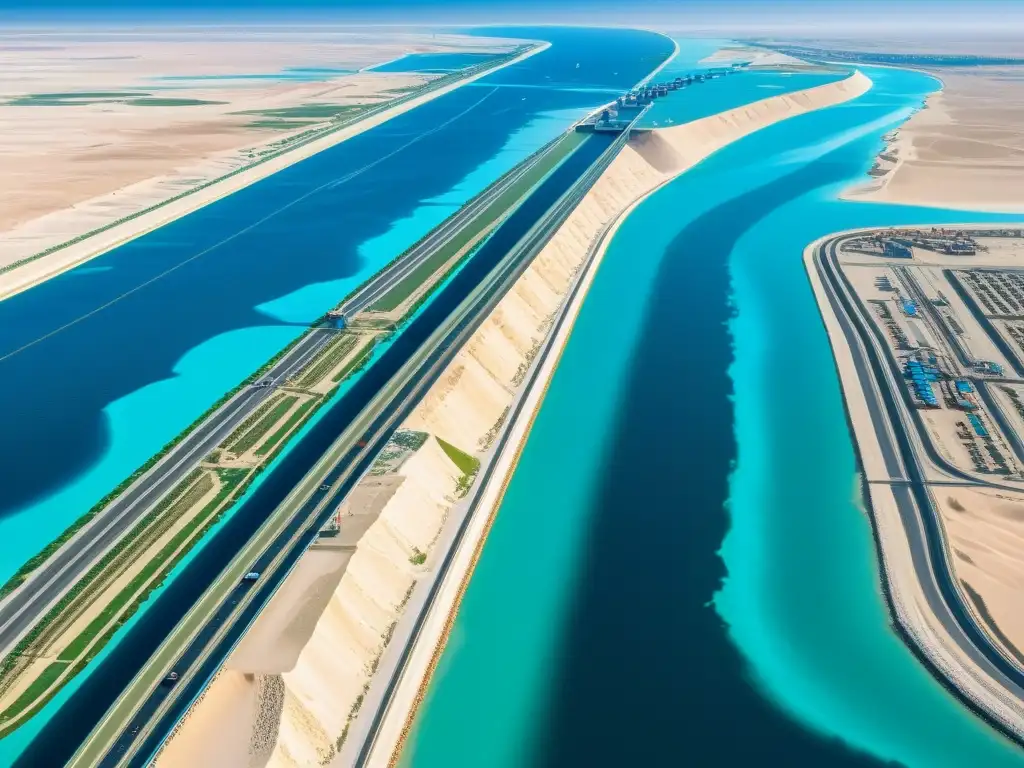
[(286, 146), (356, 363), (321, 111), (250, 438), (162, 102), (38, 687), (322, 364), (253, 417), (185, 503), (295, 418), (88, 584), (234, 483), (278, 124), (487, 218)]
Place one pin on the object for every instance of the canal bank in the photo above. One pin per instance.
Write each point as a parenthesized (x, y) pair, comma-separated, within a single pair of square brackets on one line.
[(546, 111), (704, 566), (186, 312), (647, 163)]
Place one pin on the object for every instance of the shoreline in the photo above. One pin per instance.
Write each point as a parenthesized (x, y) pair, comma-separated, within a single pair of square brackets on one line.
[(876, 189), (427, 648), (868, 191), (39, 268), (921, 629), (351, 363)]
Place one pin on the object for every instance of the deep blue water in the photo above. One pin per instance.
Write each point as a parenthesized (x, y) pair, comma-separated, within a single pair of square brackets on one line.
[(109, 361), (679, 573), (433, 62)]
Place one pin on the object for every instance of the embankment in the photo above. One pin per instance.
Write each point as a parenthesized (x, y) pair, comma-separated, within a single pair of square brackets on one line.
[(646, 163), (34, 270), (962, 150), (269, 706), (299, 717)]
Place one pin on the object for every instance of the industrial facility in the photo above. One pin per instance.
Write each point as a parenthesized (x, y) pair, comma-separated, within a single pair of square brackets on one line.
[(626, 109), (954, 332)]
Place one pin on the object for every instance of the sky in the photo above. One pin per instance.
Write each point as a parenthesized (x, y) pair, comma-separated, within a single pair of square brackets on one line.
[(957, 18)]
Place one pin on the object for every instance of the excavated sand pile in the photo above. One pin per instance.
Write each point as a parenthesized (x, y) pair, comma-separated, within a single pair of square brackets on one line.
[(297, 718)]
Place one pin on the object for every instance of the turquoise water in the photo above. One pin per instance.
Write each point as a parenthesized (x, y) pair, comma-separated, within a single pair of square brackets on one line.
[(680, 566), (142, 422)]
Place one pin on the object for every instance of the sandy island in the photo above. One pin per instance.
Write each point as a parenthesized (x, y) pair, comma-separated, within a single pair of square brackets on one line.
[(965, 148)]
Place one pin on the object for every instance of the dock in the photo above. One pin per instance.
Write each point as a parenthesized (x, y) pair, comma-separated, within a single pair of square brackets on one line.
[(626, 111)]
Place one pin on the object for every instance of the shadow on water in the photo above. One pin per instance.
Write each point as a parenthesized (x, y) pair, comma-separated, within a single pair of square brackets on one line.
[(71, 725), (648, 675), (77, 343)]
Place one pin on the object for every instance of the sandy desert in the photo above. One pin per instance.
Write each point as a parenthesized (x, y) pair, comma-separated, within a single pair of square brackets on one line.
[(94, 127)]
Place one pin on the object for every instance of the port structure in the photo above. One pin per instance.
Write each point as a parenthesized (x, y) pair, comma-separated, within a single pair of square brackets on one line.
[(934, 321), (624, 113), (146, 712)]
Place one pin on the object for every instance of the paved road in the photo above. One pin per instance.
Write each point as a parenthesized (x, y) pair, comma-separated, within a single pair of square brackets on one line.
[(48, 584), (392, 275), (226, 614), (914, 499), (24, 607), (365, 730)]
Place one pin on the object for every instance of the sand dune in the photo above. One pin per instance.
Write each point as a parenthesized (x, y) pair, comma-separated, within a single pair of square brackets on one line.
[(296, 717)]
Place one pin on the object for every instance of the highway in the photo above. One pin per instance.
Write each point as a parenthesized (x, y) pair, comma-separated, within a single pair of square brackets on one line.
[(367, 413), (895, 420), (45, 586), (48, 584), (326, 486), (366, 728), (398, 270)]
